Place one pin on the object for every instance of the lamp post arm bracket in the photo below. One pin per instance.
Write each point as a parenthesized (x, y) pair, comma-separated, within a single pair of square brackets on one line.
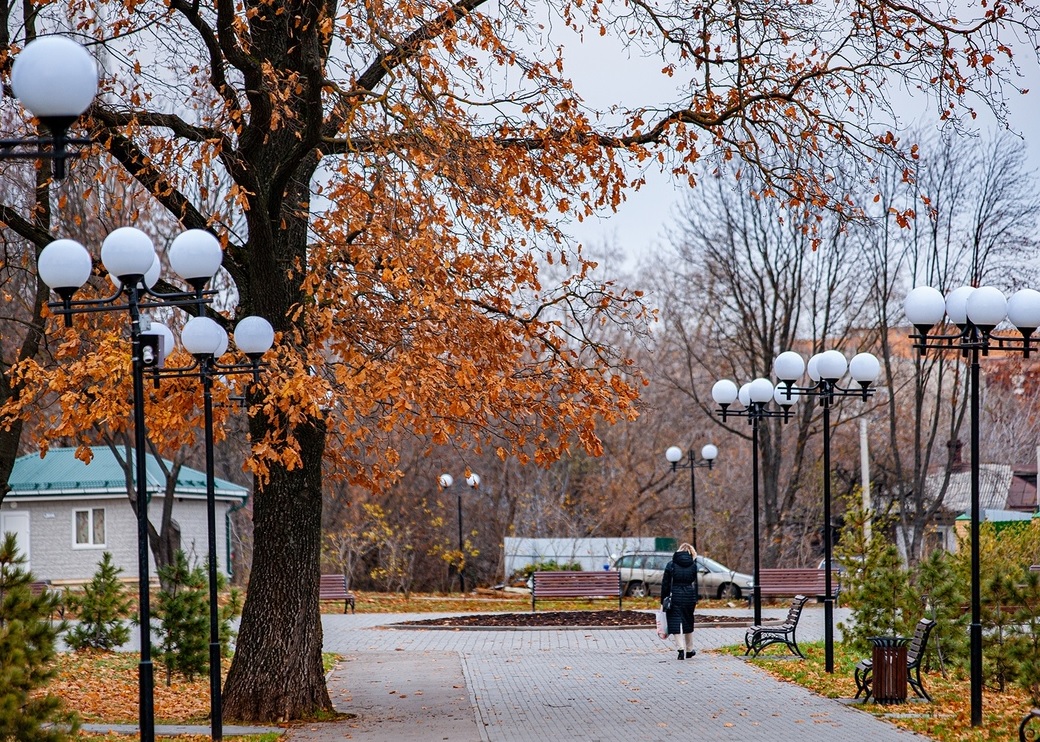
[(178, 298), (10, 148), (89, 306), (234, 368), (182, 372)]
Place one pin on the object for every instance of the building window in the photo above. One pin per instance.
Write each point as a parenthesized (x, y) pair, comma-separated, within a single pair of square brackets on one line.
[(937, 539), (89, 527)]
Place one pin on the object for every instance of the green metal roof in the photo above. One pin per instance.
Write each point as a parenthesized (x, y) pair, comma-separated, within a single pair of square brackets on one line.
[(60, 473)]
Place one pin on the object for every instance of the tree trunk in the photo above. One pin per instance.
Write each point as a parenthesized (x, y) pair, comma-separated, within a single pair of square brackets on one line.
[(277, 671)]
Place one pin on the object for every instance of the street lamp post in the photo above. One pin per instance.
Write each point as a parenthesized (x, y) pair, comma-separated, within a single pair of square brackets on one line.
[(207, 341), (56, 79), (825, 370), (708, 455), (754, 397), (128, 255), (446, 481), (975, 313)]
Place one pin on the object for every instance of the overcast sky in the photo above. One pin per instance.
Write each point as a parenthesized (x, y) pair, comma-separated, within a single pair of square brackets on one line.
[(606, 74)]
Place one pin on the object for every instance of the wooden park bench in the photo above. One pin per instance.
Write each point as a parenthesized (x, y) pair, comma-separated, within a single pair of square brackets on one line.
[(334, 587), (758, 638), (566, 584), (788, 582), (914, 654), (1034, 568)]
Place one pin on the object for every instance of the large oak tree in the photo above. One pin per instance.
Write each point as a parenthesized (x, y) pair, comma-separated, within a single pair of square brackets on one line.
[(388, 179)]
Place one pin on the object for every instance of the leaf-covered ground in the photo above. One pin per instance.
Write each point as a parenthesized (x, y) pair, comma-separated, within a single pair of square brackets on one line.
[(947, 718), (102, 687)]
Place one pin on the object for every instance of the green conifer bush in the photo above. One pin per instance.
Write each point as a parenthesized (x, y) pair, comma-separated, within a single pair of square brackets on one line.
[(944, 592), (182, 611), (28, 641), (102, 608)]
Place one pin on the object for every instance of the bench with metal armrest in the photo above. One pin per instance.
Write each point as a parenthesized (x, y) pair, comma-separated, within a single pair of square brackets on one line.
[(334, 587), (757, 638), (914, 654)]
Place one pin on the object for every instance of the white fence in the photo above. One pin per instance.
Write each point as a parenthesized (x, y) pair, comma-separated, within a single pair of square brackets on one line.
[(591, 553)]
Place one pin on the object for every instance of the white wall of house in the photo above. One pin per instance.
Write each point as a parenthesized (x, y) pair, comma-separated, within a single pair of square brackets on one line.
[(55, 555)]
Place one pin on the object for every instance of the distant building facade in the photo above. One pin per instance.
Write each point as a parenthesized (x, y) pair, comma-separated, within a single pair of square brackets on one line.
[(66, 513)]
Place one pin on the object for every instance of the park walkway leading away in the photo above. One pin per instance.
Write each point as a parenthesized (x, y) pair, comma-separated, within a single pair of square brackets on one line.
[(412, 685)]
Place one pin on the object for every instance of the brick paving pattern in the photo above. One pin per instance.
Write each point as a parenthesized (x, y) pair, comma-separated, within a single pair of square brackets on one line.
[(621, 685)]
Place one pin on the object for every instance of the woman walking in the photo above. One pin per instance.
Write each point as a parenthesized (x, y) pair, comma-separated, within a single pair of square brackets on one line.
[(679, 596)]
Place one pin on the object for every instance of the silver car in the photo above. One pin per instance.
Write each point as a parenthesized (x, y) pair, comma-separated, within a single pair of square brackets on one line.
[(642, 572)]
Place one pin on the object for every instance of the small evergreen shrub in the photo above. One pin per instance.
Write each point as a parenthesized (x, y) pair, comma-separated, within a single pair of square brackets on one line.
[(182, 612), (944, 594), (102, 608), (27, 650), (1026, 650), (999, 665), (877, 588), (550, 565)]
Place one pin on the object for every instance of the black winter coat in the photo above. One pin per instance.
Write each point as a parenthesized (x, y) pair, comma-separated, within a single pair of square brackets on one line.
[(680, 582)]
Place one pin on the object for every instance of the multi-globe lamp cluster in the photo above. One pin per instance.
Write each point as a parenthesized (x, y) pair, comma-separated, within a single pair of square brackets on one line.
[(975, 314), (134, 268)]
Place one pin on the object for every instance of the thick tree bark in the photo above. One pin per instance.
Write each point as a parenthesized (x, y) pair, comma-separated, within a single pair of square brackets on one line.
[(277, 672)]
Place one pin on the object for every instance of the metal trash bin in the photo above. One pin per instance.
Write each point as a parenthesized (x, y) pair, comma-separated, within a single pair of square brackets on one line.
[(889, 669)]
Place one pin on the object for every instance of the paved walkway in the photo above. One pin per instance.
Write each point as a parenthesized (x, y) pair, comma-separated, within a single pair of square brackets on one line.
[(411, 685)]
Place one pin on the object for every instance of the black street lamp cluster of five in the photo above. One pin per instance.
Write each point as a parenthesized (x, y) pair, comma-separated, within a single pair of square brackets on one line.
[(56, 80)]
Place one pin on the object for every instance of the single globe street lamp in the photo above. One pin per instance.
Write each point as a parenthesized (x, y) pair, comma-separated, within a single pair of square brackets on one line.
[(708, 455), (56, 79), (753, 398), (446, 481), (825, 370), (972, 316)]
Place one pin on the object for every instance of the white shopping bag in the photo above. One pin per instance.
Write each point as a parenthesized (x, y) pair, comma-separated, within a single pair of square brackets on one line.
[(662, 624)]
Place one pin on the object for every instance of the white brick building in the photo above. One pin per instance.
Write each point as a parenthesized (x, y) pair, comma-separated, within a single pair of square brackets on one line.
[(65, 514)]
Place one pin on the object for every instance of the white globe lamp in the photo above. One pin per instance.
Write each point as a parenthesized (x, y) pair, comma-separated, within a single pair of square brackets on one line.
[(64, 265), (195, 256), (832, 365), (789, 366), (986, 307), (254, 336), (761, 391), (925, 307), (724, 392), (127, 253)]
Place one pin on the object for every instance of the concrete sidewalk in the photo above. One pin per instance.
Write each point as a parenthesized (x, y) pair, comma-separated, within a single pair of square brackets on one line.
[(596, 685)]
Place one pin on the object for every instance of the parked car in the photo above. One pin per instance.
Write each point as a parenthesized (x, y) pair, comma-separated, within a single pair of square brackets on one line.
[(837, 566), (642, 572)]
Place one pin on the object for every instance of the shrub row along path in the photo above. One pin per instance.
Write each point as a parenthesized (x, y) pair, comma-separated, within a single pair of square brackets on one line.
[(413, 684)]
